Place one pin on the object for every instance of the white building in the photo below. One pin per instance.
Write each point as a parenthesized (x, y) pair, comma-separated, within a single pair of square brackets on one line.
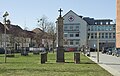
[(82, 31), (75, 32)]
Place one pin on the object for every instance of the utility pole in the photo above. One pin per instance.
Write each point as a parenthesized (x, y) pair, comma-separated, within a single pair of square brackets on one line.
[(5, 27), (98, 47)]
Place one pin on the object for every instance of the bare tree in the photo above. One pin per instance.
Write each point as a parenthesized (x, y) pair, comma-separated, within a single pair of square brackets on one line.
[(52, 33), (48, 31), (43, 23)]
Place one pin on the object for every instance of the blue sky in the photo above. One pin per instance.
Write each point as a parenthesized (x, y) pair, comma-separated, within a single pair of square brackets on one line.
[(26, 12)]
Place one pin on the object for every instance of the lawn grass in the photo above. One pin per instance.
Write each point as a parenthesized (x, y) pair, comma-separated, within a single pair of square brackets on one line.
[(31, 66)]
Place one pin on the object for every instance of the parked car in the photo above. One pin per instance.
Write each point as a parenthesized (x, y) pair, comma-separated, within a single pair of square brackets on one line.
[(116, 52), (109, 51), (2, 51), (104, 50), (70, 49)]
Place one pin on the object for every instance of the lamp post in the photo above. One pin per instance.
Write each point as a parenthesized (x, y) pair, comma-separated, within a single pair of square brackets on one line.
[(98, 47), (5, 27)]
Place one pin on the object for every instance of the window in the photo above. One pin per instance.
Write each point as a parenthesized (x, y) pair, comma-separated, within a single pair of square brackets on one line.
[(110, 35), (88, 35), (65, 35), (92, 35), (102, 35), (77, 28), (113, 27), (110, 28), (95, 35), (71, 27), (71, 42), (99, 28), (77, 42), (102, 28), (77, 35), (91, 28), (106, 35), (71, 35), (99, 35), (113, 35), (95, 28), (8, 44), (65, 27), (106, 28)]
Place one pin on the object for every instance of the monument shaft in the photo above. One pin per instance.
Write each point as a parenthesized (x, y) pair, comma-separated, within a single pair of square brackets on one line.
[(60, 50)]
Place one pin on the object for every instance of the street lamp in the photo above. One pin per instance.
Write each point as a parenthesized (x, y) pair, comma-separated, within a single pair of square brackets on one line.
[(98, 47), (5, 27)]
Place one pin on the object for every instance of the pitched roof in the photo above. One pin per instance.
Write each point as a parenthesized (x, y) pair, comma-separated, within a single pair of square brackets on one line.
[(1, 28), (74, 13), (40, 32), (37, 30), (16, 31)]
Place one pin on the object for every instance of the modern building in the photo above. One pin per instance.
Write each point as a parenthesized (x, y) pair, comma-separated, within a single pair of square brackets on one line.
[(82, 31)]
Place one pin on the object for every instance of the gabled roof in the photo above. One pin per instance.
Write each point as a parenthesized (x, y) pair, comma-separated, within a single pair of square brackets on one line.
[(29, 34), (40, 32), (72, 12), (1, 28), (37, 30), (16, 30)]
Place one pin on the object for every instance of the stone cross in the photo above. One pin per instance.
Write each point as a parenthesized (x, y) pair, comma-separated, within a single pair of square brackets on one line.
[(60, 11)]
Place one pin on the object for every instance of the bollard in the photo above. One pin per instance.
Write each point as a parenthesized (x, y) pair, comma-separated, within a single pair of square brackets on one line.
[(43, 58), (46, 57), (24, 53), (76, 57)]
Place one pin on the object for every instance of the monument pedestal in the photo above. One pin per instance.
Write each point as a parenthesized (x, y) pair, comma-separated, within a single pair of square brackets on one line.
[(60, 55)]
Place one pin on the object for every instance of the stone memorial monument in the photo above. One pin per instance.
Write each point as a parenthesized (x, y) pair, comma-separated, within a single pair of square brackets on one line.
[(60, 50)]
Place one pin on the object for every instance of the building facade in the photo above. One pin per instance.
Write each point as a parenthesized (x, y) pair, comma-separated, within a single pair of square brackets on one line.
[(16, 43), (82, 31), (106, 30), (118, 24)]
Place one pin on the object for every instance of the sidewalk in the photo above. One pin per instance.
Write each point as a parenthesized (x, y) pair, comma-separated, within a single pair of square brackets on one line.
[(106, 62)]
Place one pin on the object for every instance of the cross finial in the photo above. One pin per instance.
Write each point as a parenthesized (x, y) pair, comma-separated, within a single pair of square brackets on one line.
[(60, 11)]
